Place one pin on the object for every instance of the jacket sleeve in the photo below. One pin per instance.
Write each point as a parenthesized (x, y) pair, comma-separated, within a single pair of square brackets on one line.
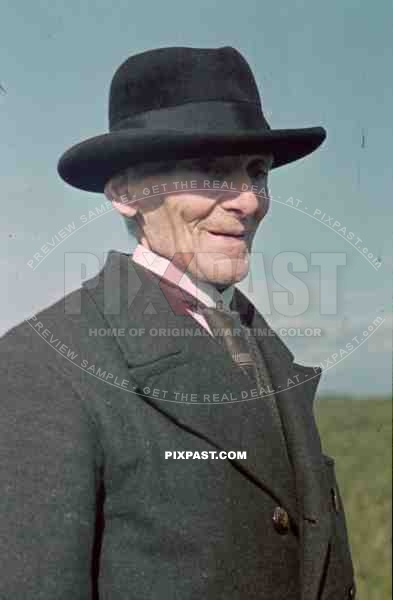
[(48, 480)]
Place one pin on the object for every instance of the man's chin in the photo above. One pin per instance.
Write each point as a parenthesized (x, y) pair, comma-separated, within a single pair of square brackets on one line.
[(224, 276)]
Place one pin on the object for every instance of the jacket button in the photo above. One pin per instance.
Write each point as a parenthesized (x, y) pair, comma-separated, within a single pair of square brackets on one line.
[(281, 520), (335, 499), (352, 592)]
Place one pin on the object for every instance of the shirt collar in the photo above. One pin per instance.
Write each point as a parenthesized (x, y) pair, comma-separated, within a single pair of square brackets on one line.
[(203, 291)]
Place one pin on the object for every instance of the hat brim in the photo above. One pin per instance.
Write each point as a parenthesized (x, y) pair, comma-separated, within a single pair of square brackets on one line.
[(90, 164)]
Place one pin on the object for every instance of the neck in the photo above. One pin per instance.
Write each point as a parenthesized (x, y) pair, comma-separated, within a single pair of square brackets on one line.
[(221, 287)]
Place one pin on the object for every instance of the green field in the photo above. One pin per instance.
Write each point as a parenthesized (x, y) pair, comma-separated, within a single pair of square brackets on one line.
[(358, 434)]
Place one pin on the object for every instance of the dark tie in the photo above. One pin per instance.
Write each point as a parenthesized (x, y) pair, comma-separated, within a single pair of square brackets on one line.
[(237, 338), (246, 354)]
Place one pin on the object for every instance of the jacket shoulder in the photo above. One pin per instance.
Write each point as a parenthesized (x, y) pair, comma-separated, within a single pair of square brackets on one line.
[(54, 325)]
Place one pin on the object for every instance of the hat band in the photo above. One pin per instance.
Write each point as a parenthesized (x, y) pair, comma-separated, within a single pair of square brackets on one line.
[(213, 116)]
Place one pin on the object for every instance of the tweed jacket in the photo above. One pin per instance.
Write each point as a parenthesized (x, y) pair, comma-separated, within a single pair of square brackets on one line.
[(92, 399)]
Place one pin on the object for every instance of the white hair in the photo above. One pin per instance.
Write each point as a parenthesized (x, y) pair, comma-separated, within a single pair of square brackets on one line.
[(122, 183)]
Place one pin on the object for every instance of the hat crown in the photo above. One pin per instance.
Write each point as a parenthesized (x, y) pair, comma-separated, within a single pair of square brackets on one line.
[(180, 102), (174, 76)]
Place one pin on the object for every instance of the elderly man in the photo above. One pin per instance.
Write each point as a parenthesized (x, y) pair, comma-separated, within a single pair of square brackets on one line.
[(174, 466)]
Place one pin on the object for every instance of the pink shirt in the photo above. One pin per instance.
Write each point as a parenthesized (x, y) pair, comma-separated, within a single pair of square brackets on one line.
[(203, 291)]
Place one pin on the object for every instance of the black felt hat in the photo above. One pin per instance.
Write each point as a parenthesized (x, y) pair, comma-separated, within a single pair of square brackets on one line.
[(180, 102)]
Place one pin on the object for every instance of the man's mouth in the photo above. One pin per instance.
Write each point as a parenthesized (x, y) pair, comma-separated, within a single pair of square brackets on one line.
[(238, 236)]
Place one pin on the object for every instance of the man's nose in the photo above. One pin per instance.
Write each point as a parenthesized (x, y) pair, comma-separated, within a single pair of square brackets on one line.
[(246, 202), (244, 195)]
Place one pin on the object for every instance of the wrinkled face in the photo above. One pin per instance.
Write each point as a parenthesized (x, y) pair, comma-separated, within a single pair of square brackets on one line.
[(203, 213)]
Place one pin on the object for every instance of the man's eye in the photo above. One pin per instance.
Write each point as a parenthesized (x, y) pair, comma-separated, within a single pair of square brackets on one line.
[(257, 169)]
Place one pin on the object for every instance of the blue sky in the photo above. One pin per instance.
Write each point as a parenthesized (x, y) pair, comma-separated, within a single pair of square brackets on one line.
[(316, 63)]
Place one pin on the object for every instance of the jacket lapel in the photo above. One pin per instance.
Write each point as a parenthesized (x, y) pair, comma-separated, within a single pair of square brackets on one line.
[(298, 384), (172, 368)]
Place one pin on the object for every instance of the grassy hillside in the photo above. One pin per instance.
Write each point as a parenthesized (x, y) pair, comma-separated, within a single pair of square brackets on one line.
[(358, 434)]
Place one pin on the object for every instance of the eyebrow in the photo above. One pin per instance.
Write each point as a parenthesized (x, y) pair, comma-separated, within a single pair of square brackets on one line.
[(266, 160)]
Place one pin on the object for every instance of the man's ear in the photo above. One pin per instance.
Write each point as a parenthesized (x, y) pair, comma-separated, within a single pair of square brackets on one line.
[(116, 190), (127, 210)]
